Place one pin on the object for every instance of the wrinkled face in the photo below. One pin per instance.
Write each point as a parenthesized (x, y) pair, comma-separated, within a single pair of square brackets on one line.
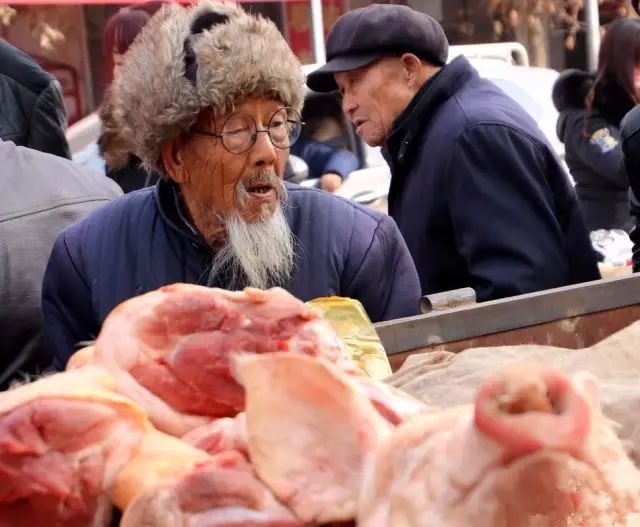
[(247, 183), (533, 451), (374, 96)]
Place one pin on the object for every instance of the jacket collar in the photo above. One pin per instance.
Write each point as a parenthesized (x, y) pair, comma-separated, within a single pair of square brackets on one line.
[(169, 203), (411, 123)]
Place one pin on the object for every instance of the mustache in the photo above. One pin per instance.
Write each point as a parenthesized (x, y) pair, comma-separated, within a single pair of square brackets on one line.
[(267, 178)]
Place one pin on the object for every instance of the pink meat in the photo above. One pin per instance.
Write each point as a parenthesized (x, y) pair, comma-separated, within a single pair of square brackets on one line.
[(57, 458), (533, 451), (223, 492), (170, 348), (221, 435), (311, 430)]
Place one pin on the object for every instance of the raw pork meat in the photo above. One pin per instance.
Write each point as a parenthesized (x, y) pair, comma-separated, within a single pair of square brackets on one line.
[(221, 435), (63, 439), (534, 451), (311, 430), (170, 483), (446, 379), (169, 349)]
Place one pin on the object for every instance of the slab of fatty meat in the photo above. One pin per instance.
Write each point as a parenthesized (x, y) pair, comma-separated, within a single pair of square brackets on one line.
[(533, 450), (170, 483), (310, 431), (170, 349), (63, 440)]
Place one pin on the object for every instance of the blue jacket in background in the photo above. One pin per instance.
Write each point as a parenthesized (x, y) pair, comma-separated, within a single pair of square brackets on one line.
[(324, 159), (479, 195), (139, 243)]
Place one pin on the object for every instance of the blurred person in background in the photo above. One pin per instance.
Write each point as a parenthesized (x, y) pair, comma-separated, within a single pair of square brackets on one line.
[(329, 165), (42, 194), (106, 154), (32, 111), (591, 108), (630, 133)]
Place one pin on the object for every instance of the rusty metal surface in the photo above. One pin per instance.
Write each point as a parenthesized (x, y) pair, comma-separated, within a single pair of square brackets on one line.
[(572, 332), (508, 315)]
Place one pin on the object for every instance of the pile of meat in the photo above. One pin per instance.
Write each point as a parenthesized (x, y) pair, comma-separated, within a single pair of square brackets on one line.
[(198, 407)]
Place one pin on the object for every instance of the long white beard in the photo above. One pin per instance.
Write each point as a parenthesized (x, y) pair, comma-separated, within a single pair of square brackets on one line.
[(256, 254)]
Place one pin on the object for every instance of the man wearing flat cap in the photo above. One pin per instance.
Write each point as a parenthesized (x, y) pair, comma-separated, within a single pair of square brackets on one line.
[(477, 192), (209, 96)]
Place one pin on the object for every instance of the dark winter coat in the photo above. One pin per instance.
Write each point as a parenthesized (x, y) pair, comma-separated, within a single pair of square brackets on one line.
[(479, 194), (142, 242), (592, 148), (32, 112)]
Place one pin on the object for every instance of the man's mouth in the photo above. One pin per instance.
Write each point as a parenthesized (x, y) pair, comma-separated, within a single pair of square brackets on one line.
[(261, 193), (259, 189)]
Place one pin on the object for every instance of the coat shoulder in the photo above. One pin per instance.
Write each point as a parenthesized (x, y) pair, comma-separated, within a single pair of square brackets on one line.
[(330, 207), (118, 216)]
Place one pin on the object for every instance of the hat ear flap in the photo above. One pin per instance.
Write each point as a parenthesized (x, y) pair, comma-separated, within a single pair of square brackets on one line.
[(207, 21), (203, 22)]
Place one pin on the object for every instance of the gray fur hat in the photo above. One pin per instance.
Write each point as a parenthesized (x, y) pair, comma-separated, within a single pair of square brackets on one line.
[(186, 59)]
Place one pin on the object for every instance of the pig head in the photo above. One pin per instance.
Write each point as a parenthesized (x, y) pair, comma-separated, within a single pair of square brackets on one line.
[(533, 451)]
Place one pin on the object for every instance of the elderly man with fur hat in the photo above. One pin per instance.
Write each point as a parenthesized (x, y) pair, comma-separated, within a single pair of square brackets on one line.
[(210, 97)]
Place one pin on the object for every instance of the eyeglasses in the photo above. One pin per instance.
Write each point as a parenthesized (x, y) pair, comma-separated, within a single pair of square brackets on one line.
[(240, 132)]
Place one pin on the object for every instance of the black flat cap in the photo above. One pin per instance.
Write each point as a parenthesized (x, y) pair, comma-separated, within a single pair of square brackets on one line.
[(361, 36)]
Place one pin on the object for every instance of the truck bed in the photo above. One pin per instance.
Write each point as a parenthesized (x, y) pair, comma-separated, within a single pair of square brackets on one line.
[(570, 317)]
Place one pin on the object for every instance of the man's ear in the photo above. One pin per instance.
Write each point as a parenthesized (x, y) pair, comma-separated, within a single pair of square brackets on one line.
[(172, 153), (412, 66), (415, 71)]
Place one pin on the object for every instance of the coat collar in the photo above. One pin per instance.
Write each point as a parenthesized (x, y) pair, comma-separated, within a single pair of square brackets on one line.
[(410, 124), (169, 203)]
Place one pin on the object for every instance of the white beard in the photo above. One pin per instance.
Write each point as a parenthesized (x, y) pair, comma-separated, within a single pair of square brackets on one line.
[(256, 254)]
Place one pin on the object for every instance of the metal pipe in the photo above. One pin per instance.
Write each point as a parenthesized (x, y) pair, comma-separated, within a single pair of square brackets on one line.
[(317, 31), (592, 16), (447, 300)]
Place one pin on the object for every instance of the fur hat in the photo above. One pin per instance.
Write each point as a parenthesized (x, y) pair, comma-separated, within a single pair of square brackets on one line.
[(213, 55)]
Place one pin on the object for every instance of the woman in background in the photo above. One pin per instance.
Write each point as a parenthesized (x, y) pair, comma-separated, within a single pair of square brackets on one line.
[(591, 108), (108, 155)]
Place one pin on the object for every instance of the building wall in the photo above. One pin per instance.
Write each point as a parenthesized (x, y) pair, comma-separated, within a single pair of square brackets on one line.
[(66, 59)]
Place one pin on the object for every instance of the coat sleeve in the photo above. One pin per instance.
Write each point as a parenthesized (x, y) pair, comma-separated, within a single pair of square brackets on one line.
[(49, 123), (503, 213), (324, 159), (66, 301), (380, 272), (600, 150)]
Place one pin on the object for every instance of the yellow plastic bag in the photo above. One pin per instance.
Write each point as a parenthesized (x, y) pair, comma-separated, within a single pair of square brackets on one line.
[(352, 324)]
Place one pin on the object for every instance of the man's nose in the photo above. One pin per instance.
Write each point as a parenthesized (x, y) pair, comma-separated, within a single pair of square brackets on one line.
[(348, 105), (263, 153)]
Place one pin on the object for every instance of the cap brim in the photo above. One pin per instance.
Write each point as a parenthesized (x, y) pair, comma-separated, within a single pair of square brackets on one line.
[(321, 80)]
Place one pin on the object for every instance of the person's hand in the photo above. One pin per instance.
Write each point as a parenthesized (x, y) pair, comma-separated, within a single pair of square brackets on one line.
[(330, 182)]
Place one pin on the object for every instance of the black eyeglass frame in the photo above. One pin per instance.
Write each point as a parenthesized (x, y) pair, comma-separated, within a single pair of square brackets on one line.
[(254, 137)]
